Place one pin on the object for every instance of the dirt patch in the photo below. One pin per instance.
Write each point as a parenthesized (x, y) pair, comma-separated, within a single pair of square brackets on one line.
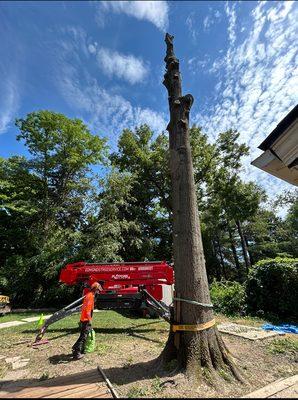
[(127, 349)]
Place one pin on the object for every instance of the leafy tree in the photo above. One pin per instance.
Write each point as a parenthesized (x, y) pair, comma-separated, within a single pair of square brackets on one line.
[(44, 201), (230, 201), (62, 151), (146, 159), (105, 229)]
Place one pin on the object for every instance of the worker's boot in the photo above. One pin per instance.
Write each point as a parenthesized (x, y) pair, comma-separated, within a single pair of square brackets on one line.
[(77, 356)]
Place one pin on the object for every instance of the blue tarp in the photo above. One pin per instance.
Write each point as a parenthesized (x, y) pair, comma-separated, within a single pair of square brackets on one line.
[(284, 328)]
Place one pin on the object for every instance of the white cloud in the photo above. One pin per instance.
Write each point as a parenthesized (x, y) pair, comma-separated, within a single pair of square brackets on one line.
[(191, 26), (257, 81), (112, 63), (107, 114), (154, 119), (9, 103), (92, 48), (231, 13), (211, 19), (196, 64), (155, 12), (12, 68), (207, 22), (127, 67)]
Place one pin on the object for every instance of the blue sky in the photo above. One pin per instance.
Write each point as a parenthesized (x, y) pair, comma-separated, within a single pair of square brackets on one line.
[(103, 62)]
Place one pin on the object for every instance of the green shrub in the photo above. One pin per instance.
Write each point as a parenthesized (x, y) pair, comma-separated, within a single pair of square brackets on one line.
[(272, 288), (228, 297)]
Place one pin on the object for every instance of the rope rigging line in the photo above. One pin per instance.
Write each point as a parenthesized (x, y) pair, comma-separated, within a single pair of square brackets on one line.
[(194, 302)]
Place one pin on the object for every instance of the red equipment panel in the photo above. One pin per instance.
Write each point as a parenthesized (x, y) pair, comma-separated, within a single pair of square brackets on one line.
[(122, 277)]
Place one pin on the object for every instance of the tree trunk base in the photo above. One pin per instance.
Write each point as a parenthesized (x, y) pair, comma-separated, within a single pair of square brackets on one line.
[(205, 357)]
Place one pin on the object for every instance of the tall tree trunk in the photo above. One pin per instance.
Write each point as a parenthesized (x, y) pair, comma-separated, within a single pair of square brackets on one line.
[(241, 274), (192, 349), (221, 257), (243, 245), (218, 265), (251, 259)]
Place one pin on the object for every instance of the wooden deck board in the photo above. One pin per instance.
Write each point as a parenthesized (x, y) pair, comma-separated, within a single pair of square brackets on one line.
[(281, 388), (86, 384)]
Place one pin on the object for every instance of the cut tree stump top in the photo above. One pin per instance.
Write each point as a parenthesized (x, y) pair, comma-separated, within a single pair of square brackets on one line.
[(87, 384)]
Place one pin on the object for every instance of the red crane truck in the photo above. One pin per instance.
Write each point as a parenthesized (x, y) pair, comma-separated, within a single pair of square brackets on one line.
[(126, 285)]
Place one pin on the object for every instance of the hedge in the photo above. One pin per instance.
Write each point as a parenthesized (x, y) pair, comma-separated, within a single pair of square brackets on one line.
[(228, 297), (272, 288)]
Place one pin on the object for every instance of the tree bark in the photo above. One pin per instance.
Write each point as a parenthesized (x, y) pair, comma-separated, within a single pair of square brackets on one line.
[(218, 266), (192, 350), (244, 247), (251, 259), (241, 275), (221, 258)]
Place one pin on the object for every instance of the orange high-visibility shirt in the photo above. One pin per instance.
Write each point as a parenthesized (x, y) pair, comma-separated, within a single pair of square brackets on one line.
[(87, 307)]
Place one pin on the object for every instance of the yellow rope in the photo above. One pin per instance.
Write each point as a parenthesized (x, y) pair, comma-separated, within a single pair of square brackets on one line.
[(193, 328)]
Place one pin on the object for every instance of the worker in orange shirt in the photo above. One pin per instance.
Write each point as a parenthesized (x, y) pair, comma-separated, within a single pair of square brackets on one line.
[(85, 320)]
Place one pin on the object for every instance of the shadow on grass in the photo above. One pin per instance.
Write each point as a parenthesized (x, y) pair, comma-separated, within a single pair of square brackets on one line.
[(133, 331), (118, 375), (128, 330), (15, 386), (61, 359)]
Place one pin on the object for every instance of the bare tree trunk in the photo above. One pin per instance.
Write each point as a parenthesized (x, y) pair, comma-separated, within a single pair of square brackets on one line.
[(251, 259), (218, 268), (241, 275), (243, 245), (221, 257), (192, 349)]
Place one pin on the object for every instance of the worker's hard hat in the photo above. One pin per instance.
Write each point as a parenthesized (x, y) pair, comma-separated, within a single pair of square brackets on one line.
[(95, 286)]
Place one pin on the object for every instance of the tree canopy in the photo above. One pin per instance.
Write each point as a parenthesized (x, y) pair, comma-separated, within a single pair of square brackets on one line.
[(54, 209)]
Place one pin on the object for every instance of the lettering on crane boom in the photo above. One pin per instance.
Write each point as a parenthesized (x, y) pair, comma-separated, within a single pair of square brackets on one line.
[(116, 269), (120, 276)]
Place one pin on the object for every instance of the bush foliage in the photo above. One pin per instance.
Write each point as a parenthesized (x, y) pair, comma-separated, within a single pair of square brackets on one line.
[(228, 297), (272, 287)]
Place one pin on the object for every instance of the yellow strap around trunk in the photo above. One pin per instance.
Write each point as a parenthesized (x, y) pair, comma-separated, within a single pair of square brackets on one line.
[(193, 328)]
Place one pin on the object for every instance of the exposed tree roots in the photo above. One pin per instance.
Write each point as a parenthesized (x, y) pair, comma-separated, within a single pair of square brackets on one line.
[(203, 356)]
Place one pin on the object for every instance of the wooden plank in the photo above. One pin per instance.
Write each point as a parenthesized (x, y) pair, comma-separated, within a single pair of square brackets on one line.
[(53, 385), (82, 394), (273, 388), (290, 393), (110, 386), (66, 393), (102, 396), (38, 391), (60, 390)]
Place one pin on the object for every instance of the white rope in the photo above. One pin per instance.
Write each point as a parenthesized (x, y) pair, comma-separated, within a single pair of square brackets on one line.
[(194, 302)]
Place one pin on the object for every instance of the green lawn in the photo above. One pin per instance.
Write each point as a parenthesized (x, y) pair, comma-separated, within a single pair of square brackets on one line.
[(107, 324), (17, 316), (125, 346)]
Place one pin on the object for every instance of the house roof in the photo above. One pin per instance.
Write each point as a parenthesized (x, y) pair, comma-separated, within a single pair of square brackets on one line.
[(279, 129), (280, 150)]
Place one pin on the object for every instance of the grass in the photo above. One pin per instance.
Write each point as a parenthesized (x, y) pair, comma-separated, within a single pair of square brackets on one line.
[(135, 392), (225, 375), (282, 346), (124, 346), (17, 316), (156, 385), (108, 325), (242, 320), (44, 376)]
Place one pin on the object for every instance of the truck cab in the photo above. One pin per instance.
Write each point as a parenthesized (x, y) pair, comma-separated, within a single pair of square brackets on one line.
[(4, 305)]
